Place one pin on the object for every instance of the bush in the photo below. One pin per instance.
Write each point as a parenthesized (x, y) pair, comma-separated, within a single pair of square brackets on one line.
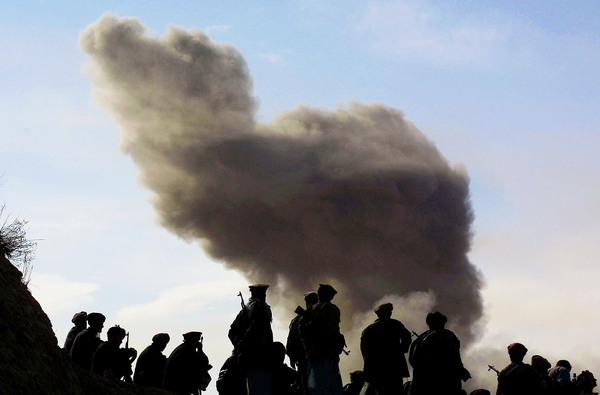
[(15, 246)]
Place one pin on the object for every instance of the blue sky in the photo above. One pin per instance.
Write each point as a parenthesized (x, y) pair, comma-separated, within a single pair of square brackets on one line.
[(509, 90)]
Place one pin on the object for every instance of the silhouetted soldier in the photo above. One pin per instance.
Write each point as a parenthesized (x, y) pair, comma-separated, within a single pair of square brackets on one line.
[(357, 381), (286, 381), (80, 321), (436, 362), (586, 382), (87, 341), (518, 378), (111, 361), (186, 370), (232, 380), (151, 363), (383, 345), (255, 342), (295, 348), (320, 332), (560, 375), (541, 366)]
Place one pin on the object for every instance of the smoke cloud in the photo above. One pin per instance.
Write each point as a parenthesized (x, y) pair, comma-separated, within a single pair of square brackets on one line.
[(357, 197)]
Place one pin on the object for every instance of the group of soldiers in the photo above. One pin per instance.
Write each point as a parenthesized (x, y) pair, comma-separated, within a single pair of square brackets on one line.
[(184, 372), (314, 345), (539, 378)]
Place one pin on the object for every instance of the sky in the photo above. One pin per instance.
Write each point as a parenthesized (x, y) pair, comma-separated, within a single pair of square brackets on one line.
[(506, 90)]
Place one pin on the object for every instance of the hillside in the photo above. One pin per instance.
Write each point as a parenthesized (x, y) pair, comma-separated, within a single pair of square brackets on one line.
[(31, 362)]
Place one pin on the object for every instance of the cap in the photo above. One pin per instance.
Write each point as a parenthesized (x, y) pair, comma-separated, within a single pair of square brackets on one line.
[(116, 330), (436, 319), (258, 287), (96, 317), (161, 338), (311, 297), (192, 336), (327, 289), (517, 349), (384, 308), (82, 315)]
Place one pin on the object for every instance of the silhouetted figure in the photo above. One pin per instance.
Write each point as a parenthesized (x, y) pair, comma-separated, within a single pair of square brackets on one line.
[(435, 358), (541, 366), (111, 361), (286, 381), (518, 378), (87, 341), (151, 363), (357, 381), (186, 370), (586, 382), (560, 375), (80, 321), (256, 343), (232, 380), (383, 345), (295, 348), (320, 333)]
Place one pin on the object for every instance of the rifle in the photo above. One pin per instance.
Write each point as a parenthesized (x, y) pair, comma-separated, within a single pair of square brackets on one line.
[(300, 311), (491, 367), (242, 298), (415, 334)]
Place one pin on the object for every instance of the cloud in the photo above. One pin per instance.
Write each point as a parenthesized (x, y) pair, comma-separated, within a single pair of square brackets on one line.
[(274, 58), (59, 294), (415, 31), (313, 196), (217, 28)]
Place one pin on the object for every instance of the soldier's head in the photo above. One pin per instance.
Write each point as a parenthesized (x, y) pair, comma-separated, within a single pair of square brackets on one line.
[(311, 298), (192, 338), (540, 364), (80, 319), (277, 352), (160, 340), (259, 291), (115, 335), (326, 292), (516, 352), (96, 321), (564, 363), (436, 320), (586, 382), (384, 310)]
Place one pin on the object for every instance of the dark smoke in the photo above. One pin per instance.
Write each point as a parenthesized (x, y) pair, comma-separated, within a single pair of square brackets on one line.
[(356, 196)]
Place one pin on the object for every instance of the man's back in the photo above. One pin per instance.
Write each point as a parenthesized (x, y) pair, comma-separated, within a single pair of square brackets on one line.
[(83, 348), (518, 378)]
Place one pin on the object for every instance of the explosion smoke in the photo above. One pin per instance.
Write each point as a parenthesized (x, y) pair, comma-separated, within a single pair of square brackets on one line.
[(356, 196)]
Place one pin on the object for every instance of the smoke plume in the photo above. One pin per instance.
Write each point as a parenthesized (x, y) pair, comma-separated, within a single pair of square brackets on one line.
[(357, 197)]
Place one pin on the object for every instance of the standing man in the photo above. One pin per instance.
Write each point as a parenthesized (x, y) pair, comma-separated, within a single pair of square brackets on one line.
[(383, 345), (256, 342), (87, 341), (295, 349), (186, 370), (80, 321), (436, 362), (151, 363), (320, 332)]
